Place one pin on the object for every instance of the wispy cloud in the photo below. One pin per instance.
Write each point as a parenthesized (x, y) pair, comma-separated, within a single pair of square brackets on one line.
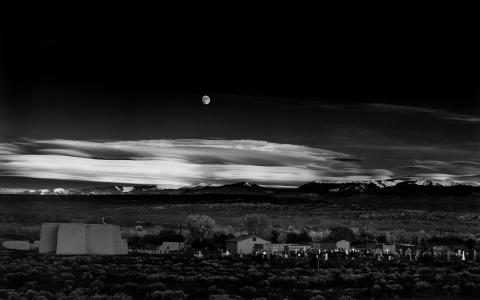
[(176, 163), (467, 172), (439, 113), (386, 107)]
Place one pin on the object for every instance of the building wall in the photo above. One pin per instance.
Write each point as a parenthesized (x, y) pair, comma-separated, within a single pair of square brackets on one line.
[(71, 239), (231, 247), (100, 239), (246, 246), (48, 238), (343, 244), (390, 248), (75, 238)]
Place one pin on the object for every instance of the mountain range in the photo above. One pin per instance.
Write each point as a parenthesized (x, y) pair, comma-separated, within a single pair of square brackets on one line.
[(424, 186)]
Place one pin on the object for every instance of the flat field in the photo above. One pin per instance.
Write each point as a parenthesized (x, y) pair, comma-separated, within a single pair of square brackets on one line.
[(446, 215)]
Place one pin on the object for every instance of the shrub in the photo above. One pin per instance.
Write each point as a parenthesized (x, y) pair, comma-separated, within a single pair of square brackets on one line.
[(455, 288), (156, 295), (376, 288), (225, 297), (248, 290), (157, 286), (394, 288), (169, 295), (423, 287), (121, 296), (11, 295)]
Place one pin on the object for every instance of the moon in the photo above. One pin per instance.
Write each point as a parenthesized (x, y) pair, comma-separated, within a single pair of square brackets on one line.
[(205, 99)]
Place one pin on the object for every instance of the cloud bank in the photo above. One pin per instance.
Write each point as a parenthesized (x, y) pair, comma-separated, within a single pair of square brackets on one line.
[(461, 171), (182, 162)]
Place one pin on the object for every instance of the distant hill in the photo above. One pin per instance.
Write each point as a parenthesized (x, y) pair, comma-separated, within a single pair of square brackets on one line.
[(400, 187)]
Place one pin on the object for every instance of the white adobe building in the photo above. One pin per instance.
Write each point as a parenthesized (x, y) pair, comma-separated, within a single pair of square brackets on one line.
[(246, 244), (78, 239)]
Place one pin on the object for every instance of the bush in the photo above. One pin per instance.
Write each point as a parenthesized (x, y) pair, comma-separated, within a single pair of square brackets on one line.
[(248, 290), (11, 295), (423, 287), (121, 296), (169, 295), (158, 286), (376, 288), (394, 288)]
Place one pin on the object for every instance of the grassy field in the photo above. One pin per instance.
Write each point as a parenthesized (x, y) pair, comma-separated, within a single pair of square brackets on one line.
[(32, 211)]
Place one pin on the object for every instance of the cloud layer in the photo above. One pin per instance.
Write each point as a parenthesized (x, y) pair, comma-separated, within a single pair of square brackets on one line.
[(443, 114), (462, 171), (177, 163)]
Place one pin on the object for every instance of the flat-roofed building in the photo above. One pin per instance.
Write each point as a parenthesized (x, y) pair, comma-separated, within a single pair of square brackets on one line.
[(246, 244)]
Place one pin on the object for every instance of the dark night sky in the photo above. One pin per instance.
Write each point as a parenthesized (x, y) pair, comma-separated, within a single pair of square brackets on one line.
[(392, 97)]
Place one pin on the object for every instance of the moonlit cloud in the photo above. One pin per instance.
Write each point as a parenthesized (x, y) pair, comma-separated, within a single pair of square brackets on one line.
[(404, 109), (177, 163), (391, 108)]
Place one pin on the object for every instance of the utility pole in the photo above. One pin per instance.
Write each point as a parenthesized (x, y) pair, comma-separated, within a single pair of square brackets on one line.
[(180, 233)]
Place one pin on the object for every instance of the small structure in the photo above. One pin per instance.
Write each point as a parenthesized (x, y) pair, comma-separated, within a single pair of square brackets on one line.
[(324, 246), (343, 245), (389, 248), (366, 245), (18, 245), (167, 247), (276, 249), (78, 239), (295, 249), (440, 250), (246, 244)]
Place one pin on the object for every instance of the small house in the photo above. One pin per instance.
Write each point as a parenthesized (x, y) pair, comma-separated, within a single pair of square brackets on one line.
[(246, 244)]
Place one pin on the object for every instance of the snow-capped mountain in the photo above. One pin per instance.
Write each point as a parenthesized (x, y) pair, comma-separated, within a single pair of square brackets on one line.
[(422, 186), (60, 191), (435, 182), (124, 189), (386, 183)]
